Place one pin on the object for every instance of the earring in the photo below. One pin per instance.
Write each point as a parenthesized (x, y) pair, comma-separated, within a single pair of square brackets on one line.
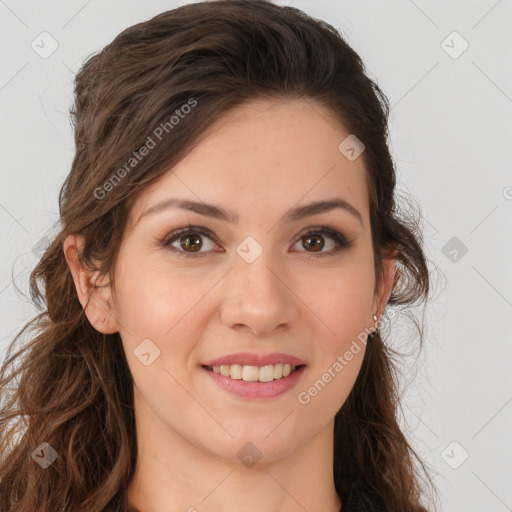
[(376, 330)]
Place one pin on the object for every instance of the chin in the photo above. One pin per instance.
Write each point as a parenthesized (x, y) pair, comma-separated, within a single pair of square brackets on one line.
[(250, 446)]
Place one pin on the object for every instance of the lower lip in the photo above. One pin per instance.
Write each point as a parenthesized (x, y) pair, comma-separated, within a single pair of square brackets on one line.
[(257, 389)]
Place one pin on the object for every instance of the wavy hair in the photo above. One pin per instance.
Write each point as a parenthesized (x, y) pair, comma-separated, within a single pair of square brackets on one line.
[(69, 385)]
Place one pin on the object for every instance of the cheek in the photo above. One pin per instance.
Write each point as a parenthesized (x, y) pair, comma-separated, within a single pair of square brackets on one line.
[(341, 377), (331, 381), (341, 299), (161, 303)]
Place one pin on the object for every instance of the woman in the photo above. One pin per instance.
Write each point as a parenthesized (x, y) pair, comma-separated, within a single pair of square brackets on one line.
[(211, 308)]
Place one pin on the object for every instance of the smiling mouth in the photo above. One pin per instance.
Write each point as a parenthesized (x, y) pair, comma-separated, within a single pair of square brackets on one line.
[(247, 373)]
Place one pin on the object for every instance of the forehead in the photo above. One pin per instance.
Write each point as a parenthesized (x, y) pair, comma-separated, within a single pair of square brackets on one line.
[(265, 157)]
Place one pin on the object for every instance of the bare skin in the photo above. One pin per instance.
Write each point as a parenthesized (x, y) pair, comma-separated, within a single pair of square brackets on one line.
[(262, 160)]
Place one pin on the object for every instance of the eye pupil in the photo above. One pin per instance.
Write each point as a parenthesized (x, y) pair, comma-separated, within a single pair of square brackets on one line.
[(317, 246), (196, 246)]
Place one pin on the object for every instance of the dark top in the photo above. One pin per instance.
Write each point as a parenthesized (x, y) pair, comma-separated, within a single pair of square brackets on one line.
[(362, 499)]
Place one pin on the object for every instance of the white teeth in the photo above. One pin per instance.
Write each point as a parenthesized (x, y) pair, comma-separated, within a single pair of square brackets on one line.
[(235, 371), (250, 373), (266, 373), (255, 373)]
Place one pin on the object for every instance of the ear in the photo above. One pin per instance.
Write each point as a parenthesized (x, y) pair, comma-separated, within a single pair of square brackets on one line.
[(387, 281), (94, 293)]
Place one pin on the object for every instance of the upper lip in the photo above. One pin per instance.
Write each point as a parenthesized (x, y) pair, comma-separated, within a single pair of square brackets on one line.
[(248, 359)]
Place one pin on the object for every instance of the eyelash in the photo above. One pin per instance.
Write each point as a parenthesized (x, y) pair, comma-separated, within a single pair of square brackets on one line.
[(340, 239)]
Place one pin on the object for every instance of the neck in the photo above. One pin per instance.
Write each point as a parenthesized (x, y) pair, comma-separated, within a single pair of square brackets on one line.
[(173, 474)]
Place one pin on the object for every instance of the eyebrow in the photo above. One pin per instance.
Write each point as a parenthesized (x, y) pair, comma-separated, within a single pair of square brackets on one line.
[(217, 212)]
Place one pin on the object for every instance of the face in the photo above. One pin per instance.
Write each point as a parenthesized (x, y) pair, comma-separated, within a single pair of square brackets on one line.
[(252, 282)]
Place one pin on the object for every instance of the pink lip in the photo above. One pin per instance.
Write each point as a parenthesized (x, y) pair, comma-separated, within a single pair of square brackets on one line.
[(257, 389), (248, 359)]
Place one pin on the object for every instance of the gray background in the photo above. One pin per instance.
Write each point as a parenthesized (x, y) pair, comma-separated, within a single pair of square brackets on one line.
[(451, 134)]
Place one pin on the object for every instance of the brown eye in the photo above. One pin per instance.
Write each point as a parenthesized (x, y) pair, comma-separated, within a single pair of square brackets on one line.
[(314, 242), (192, 242), (188, 241)]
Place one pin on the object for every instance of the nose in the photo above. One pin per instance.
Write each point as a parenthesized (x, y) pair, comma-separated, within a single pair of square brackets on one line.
[(257, 297)]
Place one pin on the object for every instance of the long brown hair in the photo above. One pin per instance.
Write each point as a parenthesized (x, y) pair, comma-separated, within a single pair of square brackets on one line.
[(73, 388)]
